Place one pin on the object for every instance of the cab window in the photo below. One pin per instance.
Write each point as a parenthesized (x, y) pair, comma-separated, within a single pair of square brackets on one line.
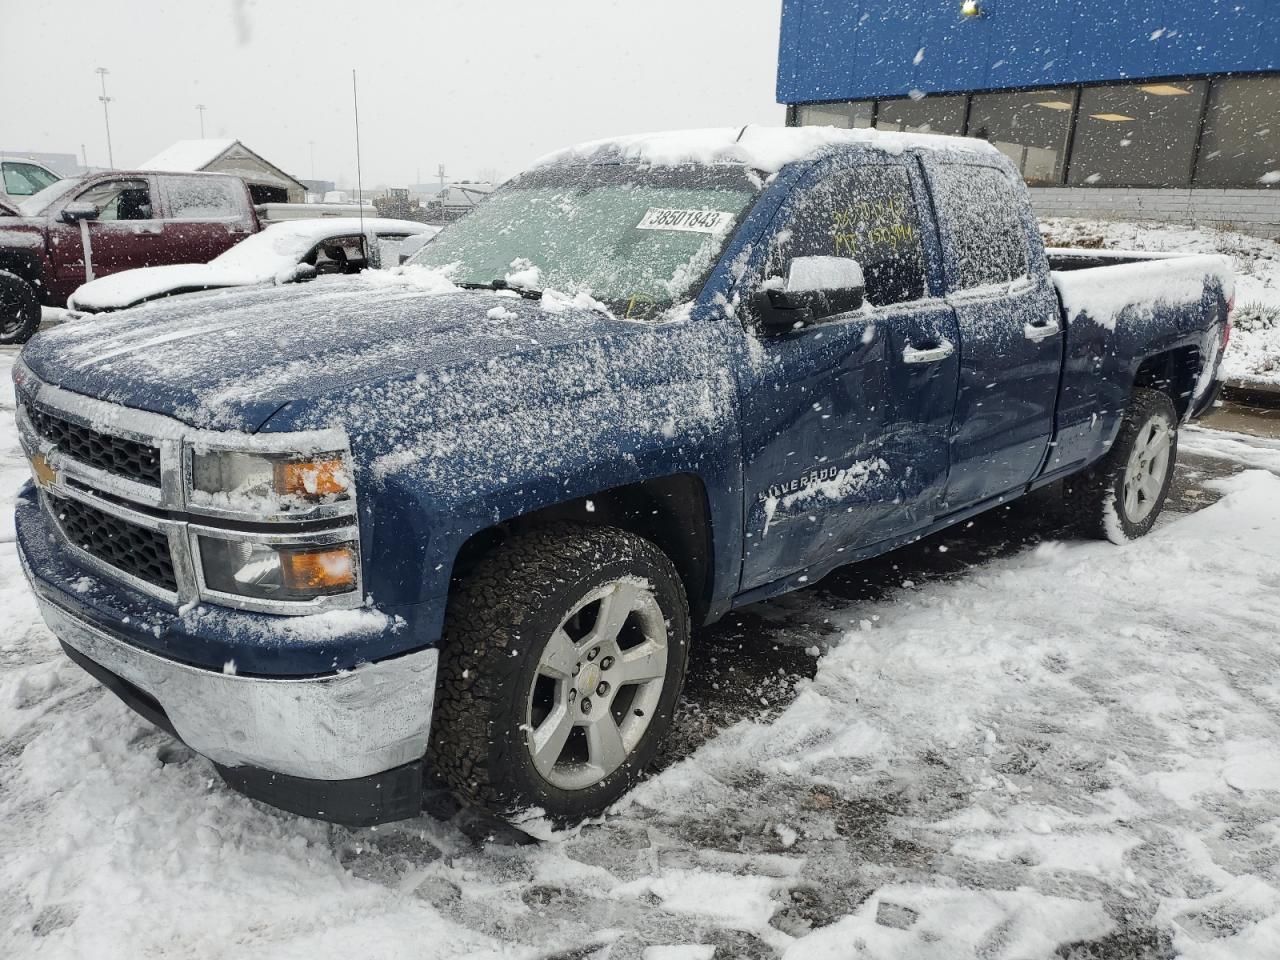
[(981, 217), (338, 255), (202, 198), (389, 245), (866, 213), (120, 199)]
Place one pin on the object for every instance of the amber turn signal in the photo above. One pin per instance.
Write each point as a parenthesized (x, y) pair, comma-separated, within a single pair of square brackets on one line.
[(312, 479), (332, 568)]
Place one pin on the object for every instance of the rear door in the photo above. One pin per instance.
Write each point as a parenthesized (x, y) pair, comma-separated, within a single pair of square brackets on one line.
[(1010, 340), (203, 216), (844, 433)]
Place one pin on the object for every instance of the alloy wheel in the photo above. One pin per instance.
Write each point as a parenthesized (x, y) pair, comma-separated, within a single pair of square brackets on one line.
[(597, 685), (1147, 469)]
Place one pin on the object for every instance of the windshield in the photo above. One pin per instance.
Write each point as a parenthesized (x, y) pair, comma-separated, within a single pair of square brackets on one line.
[(637, 238), (36, 204)]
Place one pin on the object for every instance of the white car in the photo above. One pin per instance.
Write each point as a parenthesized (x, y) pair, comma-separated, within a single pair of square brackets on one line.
[(20, 177), (283, 252)]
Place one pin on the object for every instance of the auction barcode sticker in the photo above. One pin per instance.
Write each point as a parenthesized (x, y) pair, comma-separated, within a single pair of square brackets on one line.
[(690, 221)]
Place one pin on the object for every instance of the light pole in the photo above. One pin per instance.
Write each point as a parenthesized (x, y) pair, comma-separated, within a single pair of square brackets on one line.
[(106, 116), (201, 108)]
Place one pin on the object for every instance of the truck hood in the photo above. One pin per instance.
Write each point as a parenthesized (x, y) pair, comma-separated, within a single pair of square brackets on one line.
[(230, 359)]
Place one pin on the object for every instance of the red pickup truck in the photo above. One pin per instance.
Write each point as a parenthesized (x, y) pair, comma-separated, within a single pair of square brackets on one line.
[(76, 230)]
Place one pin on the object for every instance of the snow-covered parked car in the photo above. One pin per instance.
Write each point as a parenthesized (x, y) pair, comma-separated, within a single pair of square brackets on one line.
[(460, 520), (283, 252), (21, 177)]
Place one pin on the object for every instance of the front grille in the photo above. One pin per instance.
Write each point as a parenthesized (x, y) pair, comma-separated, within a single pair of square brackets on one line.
[(116, 455), (135, 550)]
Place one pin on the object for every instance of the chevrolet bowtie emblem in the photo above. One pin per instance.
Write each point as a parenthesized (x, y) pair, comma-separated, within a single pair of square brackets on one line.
[(43, 470)]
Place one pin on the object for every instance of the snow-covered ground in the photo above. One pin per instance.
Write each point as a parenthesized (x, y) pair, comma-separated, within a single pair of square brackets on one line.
[(1067, 750), (1253, 355)]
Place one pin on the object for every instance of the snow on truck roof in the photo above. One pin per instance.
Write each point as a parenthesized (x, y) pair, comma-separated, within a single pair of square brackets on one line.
[(764, 148)]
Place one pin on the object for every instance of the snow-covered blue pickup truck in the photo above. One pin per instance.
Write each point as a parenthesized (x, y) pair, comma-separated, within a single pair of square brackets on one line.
[(460, 522)]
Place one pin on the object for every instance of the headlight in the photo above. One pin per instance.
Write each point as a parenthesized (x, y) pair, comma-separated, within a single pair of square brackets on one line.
[(277, 572), (261, 483)]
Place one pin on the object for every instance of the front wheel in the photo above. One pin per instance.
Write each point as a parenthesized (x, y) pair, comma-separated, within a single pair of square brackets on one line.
[(1120, 498), (19, 309), (563, 659)]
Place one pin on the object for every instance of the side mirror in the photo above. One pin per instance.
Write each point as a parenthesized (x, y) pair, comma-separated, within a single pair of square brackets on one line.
[(816, 287), (299, 274), (73, 213)]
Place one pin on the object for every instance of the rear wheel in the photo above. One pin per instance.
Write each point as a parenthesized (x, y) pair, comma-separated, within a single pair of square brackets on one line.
[(1120, 498), (19, 309), (563, 659)]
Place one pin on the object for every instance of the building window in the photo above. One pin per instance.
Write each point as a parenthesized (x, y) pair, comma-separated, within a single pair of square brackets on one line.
[(1030, 128), (1240, 146), (926, 115), (851, 113), (1137, 134)]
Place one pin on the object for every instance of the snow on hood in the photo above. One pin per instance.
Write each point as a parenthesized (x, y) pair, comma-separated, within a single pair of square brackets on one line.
[(763, 148), (229, 359), (260, 258)]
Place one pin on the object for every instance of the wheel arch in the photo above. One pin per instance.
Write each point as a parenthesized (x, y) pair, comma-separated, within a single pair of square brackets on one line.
[(674, 512), (23, 264), (1173, 372)]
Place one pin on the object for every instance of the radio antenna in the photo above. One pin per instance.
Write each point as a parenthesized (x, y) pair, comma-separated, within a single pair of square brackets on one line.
[(355, 100)]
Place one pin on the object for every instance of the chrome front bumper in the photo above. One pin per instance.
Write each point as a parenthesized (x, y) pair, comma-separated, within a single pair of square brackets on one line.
[(336, 727)]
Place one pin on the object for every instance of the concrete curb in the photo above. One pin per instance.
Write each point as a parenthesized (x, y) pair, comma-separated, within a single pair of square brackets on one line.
[(1258, 393)]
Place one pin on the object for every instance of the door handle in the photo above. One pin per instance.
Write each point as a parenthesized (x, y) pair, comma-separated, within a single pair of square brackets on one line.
[(1041, 331), (943, 350)]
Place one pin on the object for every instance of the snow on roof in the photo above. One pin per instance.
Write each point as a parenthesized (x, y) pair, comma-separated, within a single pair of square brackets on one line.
[(188, 155), (764, 148)]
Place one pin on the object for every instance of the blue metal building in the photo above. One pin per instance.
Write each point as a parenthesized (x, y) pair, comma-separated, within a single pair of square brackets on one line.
[(1140, 96)]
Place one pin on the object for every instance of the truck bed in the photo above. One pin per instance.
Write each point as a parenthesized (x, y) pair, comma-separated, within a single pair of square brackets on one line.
[(1120, 306), (1063, 259)]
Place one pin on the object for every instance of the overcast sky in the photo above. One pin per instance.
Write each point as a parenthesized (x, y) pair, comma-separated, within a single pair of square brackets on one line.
[(480, 86)]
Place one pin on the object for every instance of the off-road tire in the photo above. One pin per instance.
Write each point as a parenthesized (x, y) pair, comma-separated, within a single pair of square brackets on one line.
[(19, 309), (498, 622), (1095, 497)]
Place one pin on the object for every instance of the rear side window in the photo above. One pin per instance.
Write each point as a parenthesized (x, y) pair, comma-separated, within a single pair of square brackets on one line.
[(389, 245), (201, 198), (866, 213), (981, 219)]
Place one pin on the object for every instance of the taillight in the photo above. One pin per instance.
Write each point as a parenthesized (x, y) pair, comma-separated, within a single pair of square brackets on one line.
[(1226, 327)]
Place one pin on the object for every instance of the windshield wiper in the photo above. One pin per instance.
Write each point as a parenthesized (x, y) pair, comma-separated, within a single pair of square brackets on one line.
[(529, 293)]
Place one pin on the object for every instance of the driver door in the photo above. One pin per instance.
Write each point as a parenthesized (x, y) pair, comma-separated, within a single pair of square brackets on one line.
[(845, 421), (127, 232)]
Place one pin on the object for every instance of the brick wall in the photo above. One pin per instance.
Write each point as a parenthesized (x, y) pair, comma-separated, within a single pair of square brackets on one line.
[(1254, 212)]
